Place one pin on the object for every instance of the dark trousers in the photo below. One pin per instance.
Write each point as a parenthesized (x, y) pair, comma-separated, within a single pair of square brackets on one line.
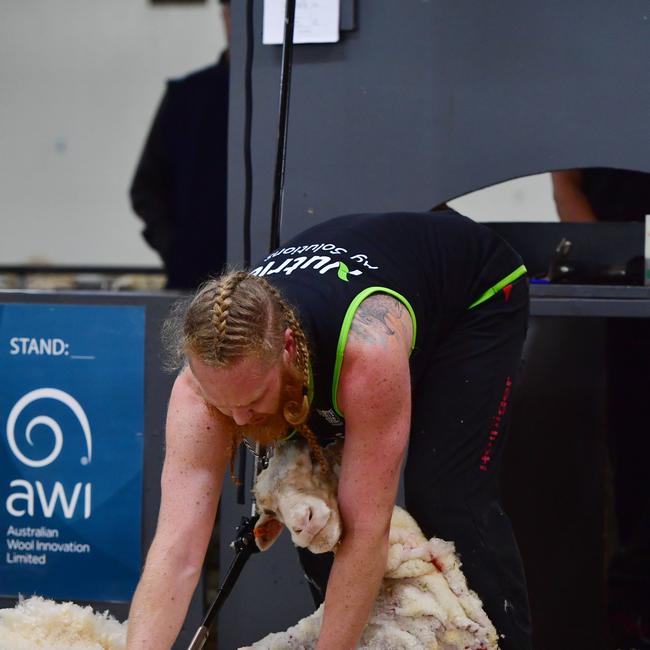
[(461, 407)]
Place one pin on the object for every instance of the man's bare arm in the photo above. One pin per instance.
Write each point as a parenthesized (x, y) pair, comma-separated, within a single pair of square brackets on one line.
[(195, 463), (375, 396)]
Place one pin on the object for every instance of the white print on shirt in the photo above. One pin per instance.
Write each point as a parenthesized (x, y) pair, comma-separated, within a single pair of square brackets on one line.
[(320, 263), (312, 248), (363, 259), (330, 416)]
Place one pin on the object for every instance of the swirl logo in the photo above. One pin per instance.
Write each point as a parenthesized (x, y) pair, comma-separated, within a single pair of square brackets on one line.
[(46, 393)]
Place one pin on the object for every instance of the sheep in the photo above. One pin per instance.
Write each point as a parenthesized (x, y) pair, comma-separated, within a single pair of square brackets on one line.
[(40, 624), (424, 601), (292, 491)]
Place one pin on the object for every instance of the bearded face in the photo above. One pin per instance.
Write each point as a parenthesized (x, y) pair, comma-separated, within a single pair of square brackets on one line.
[(267, 427)]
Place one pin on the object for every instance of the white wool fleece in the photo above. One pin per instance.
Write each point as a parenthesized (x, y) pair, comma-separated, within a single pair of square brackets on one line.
[(39, 624)]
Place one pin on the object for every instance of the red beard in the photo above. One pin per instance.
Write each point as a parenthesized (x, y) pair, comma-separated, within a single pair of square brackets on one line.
[(273, 426)]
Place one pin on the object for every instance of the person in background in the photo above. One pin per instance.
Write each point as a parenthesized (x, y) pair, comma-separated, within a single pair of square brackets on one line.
[(601, 194), (179, 187)]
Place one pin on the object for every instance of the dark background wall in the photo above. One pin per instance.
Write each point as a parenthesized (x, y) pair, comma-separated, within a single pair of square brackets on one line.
[(427, 100)]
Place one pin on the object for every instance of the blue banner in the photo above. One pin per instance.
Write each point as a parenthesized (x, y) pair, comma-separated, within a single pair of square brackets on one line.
[(71, 450)]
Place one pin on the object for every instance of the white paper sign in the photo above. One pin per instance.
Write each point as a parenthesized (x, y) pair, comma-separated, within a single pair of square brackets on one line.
[(317, 21)]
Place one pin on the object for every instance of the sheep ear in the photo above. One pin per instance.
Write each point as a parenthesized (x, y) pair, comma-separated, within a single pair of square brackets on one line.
[(267, 530)]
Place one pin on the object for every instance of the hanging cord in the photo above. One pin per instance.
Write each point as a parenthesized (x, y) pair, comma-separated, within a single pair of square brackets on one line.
[(248, 192), (248, 121), (283, 122)]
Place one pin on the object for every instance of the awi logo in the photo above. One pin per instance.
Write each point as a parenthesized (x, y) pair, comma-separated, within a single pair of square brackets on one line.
[(29, 497)]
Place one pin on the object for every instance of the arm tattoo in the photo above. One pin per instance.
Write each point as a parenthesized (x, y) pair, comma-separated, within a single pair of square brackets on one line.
[(379, 317)]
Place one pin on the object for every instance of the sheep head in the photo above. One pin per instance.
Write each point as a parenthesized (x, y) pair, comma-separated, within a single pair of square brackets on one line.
[(293, 492)]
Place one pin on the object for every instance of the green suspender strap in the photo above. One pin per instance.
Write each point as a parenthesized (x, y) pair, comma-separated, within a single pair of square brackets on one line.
[(345, 330), (359, 298), (509, 279)]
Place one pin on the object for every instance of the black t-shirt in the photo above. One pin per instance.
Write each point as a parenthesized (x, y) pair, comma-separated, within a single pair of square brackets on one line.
[(436, 263)]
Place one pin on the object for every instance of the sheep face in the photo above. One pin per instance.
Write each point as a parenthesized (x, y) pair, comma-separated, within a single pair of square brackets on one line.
[(293, 492)]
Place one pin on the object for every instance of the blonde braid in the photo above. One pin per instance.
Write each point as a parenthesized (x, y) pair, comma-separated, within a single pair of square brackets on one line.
[(298, 417), (223, 292), (230, 318), (302, 357)]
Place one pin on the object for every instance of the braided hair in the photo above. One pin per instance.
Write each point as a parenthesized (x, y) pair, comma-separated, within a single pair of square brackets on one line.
[(238, 315)]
